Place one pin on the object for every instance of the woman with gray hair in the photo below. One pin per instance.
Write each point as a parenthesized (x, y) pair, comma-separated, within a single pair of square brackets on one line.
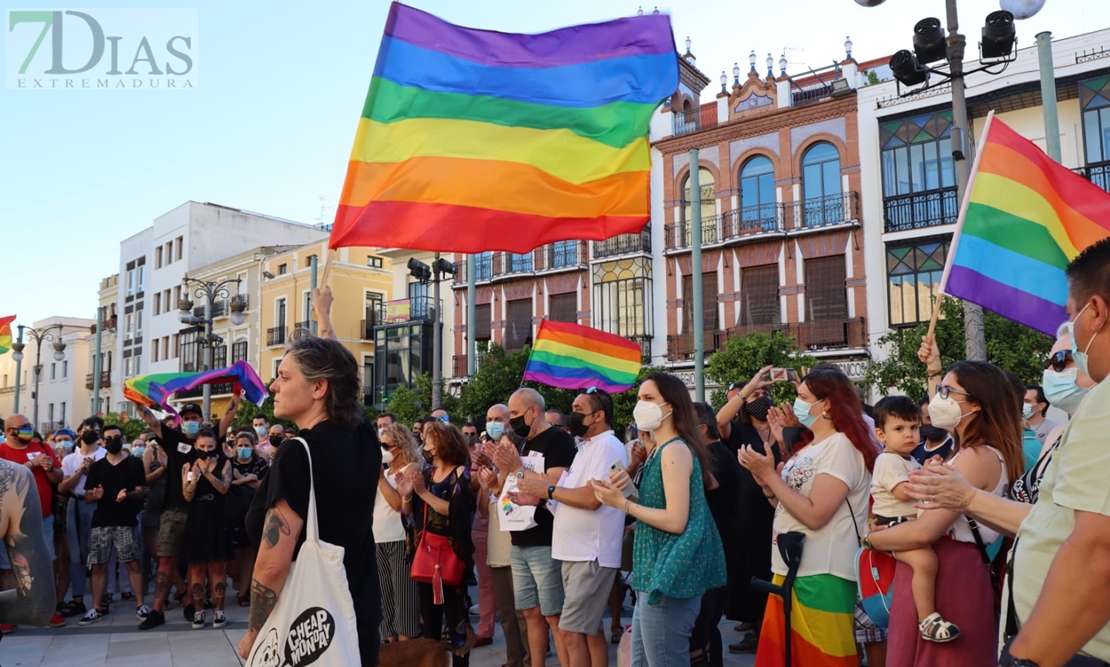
[(317, 388), (400, 598)]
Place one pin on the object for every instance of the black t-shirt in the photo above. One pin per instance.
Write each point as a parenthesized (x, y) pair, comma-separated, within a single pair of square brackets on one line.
[(127, 474), (724, 501), (345, 466), (944, 451), (179, 451), (557, 447)]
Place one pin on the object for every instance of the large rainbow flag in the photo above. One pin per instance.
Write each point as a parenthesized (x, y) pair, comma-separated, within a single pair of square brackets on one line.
[(571, 356), (6, 333), (821, 617), (473, 140), (1024, 218), (154, 390)]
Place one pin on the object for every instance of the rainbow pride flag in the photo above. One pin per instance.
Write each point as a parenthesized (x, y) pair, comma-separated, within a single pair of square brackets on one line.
[(571, 356), (822, 612), (1024, 218), (473, 140), (154, 390), (6, 333)]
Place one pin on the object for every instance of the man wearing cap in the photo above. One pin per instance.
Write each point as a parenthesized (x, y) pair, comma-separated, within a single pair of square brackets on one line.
[(40, 460), (79, 516), (178, 445)]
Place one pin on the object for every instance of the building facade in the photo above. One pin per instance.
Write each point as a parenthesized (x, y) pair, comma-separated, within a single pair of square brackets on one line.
[(55, 395), (109, 321), (909, 175)]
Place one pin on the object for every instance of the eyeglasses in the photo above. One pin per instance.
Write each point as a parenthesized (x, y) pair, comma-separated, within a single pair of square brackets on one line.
[(1059, 361), (944, 391)]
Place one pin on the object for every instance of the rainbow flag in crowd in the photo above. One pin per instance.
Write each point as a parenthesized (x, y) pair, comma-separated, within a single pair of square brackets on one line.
[(154, 390), (6, 333), (571, 356), (821, 616), (473, 140), (1025, 217)]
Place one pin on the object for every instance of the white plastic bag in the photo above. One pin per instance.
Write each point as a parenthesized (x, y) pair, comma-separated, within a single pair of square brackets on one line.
[(518, 517), (313, 622)]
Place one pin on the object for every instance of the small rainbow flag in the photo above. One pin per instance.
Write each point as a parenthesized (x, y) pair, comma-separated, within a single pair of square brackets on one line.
[(473, 140), (154, 390), (571, 356), (6, 333), (1025, 217)]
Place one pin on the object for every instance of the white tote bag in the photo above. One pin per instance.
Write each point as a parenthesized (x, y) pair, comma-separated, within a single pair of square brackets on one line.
[(313, 622)]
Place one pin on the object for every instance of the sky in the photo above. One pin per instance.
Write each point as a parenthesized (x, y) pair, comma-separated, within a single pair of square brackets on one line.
[(269, 127)]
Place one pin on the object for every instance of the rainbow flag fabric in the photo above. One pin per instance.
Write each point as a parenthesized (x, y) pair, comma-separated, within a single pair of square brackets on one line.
[(473, 140), (571, 356), (822, 612), (6, 333), (155, 390), (1025, 217)]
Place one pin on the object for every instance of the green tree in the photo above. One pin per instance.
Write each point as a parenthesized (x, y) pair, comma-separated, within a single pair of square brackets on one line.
[(131, 427), (741, 358), (448, 402), (405, 405), (244, 418), (1010, 346)]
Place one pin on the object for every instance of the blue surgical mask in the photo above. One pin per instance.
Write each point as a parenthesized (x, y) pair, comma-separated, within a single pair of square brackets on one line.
[(244, 452), (1060, 389), (444, 418), (68, 444), (190, 428), (801, 411), (261, 431), (138, 451), (1080, 357), (495, 430)]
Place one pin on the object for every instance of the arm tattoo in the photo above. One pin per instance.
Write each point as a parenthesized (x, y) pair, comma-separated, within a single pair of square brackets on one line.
[(32, 601), (263, 601), (275, 527)]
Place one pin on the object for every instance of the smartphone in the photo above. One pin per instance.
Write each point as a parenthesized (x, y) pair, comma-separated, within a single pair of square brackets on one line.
[(628, 491), (784, 375)]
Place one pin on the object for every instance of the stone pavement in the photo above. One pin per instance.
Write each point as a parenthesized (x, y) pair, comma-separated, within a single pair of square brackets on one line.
[(117, 642)]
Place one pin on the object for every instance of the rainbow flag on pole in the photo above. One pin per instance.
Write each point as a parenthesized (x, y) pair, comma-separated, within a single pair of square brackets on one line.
[(1024, 218), (571, 356), (154, 390), (473, 140), (6, 333)]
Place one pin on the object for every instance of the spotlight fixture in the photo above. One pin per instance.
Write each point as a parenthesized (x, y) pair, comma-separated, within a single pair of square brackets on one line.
[(999, 35), (906, 70), (928, 41)]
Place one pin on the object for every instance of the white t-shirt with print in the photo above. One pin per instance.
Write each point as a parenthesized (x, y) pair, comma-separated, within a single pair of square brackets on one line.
[(890, 471), (832, 548)]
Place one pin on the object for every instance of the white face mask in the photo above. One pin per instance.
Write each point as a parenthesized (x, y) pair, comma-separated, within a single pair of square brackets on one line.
[(1080, 357), (649, 416), (1026, 410), (1060, 389), (946, 413), (387, 456)]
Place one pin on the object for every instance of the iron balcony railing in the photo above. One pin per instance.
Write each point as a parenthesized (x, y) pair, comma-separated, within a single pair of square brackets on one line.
[(694, 120), (1098, 173), (838, 209), (624, 244), (276, 336), (105, 379), (921, 210)]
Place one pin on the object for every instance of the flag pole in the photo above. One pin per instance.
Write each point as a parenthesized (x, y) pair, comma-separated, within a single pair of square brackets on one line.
[(963, 214)]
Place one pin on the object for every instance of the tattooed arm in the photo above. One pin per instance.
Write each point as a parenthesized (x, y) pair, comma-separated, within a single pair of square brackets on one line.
[(223, 482), (280, 532), (32, 601), (150, 419)]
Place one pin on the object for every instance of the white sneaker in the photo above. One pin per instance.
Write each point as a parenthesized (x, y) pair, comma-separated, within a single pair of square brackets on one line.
[(220, 620), (474, 611), (91, 617), (142, 612), (198, 620)]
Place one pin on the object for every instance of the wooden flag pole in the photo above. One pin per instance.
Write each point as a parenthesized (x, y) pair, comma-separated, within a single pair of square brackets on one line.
[(328, 261), (936, 314)]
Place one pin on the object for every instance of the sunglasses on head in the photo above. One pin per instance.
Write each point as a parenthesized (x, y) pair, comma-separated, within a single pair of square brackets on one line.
[(1058, 361)]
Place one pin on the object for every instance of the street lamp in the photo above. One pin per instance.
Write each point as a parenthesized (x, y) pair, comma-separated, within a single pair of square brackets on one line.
[(209, 291), (424, 273), (45, 334)]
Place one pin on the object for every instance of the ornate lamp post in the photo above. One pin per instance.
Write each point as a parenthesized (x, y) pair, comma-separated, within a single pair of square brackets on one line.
[(209, 292), (40, 336)]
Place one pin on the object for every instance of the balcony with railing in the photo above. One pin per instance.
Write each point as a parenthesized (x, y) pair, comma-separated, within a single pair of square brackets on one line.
[(753, 221), (276, 335), (828, 334), (680, 234), (304, 325), (559, 256), (694, 120), (624, 244), (681, 346), (921, 210), (412, 309), (459, 365), (1098, 173), (828, 211), (105, 380)]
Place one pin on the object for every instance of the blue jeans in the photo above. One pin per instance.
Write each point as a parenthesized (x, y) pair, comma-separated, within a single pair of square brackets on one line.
[(661, 632), (78, 524)]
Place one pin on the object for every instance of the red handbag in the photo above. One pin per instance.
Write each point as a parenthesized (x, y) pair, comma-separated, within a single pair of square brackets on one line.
[(436, 562)]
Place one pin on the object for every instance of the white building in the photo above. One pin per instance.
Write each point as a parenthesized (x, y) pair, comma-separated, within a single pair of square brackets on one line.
[(908, 174), (153, 264), (59, 393)]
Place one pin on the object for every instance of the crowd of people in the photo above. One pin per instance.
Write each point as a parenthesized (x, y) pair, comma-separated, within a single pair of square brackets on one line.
[(553, 519)]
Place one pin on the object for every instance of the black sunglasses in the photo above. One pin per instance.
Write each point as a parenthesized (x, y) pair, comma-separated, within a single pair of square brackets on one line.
[(1059, 361)]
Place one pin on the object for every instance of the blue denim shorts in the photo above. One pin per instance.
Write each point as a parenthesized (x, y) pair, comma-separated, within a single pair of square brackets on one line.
[(537, 580)]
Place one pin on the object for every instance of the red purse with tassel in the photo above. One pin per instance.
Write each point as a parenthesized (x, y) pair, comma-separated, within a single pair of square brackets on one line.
[(436, 562)]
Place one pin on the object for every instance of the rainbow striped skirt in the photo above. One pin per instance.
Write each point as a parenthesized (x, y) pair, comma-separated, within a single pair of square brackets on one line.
[(821, 624)]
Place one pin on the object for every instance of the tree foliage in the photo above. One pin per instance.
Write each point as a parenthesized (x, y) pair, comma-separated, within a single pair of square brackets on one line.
[(131, 427), (1011, 346), (740, 358), (405, 405), (248, 411)]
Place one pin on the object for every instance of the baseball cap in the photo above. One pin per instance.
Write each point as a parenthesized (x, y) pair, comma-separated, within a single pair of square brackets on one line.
[(191, 407)]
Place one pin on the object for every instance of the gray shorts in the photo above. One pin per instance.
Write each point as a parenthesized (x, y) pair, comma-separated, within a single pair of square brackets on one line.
[(586, 587), (103, 538)]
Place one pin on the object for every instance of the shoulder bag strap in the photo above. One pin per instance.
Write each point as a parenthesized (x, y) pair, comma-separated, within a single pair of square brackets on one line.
[(978, 540), (312, 533), (852, 516), (1011, 624)]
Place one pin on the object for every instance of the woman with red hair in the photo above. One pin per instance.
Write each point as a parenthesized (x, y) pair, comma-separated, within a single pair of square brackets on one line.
[(821, 491)]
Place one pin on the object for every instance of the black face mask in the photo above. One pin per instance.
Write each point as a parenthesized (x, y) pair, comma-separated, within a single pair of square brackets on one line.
[(758, 408), (933, 433), (113, 445), (427, 456), (519, 427), (578, 426), (202, 454)]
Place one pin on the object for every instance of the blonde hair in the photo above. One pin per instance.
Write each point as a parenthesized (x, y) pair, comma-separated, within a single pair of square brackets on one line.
[(402, 438)]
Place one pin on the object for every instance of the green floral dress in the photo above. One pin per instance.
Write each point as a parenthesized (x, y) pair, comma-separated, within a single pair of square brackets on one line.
[(676, 566)]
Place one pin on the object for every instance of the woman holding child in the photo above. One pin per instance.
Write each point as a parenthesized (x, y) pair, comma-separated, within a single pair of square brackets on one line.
[(977, 403), (820, 491)]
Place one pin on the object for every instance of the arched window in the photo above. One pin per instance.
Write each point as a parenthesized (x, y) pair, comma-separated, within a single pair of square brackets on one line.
[(757, 196), (708, 209), (821, 185)]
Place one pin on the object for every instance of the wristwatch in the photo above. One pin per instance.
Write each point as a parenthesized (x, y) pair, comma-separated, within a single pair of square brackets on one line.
[(551, 492), (866, 542), (519, 473)]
